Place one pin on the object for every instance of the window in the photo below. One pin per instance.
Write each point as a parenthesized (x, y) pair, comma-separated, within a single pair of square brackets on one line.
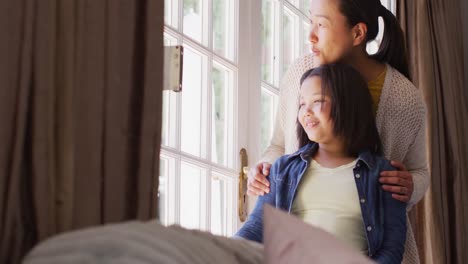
[(198, 178)]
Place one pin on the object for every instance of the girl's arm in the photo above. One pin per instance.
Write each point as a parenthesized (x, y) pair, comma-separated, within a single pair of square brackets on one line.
[(394, 226)]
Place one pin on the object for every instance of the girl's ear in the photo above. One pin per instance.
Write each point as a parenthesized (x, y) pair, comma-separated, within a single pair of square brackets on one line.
[(359, 32)]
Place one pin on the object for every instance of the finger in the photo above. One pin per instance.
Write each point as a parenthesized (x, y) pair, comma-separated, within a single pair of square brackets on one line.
[(261, 186), (399, 174), (396, 181), (253, 190), (398, 165), (253, 172), (253, 193), (396, 189), (262, 179), (402, 198), (266, 168)]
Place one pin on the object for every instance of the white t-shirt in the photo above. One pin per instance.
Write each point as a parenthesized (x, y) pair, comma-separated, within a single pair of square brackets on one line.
[(328, 198)]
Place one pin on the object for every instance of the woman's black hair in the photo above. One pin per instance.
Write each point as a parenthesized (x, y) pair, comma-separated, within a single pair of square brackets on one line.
[(351, 108), (392, 49)]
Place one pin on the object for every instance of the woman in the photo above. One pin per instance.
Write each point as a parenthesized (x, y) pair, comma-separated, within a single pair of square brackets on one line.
[(340, 30), (332, 181)]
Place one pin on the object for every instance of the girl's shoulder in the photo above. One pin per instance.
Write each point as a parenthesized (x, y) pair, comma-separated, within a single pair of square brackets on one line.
[(300, 156), (383, 164)]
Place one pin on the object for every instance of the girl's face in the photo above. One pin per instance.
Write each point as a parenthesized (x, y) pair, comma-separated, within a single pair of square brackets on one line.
[(314, 112), (331, 37)]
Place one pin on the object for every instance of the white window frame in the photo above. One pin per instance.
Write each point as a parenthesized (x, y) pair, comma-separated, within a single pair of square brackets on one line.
[(172, 184)]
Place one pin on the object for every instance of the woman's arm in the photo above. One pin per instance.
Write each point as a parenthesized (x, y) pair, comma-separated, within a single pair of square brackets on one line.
[(416, 162), (411, 182), (253, 228)]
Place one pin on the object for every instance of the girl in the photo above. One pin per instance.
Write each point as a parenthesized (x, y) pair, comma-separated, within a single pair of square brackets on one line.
[(332, 180)]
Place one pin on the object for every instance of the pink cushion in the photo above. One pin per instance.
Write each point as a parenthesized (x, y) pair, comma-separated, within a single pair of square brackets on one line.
[(288, 239)]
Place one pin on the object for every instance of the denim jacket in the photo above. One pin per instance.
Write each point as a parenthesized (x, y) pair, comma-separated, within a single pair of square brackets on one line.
[(384, 218)]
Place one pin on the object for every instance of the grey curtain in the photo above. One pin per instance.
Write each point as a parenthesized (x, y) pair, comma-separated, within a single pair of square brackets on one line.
[(433, 34), (80, 113)]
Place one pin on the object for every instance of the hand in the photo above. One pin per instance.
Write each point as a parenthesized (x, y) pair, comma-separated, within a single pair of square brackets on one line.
[(257, 183), (399, 182)]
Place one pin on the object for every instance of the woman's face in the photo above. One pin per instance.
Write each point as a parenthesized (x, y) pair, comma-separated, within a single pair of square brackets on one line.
[(331, 37), (314, 112)]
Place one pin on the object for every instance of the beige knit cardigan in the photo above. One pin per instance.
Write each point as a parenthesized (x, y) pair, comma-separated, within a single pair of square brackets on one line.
[(400, 120)]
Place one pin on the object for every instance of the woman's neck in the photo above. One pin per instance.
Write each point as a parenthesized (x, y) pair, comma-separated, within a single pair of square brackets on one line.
[(332, 156), (369, 68)]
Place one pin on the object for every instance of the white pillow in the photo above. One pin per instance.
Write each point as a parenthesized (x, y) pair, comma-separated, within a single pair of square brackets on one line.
[(143, 243), (288, 239)]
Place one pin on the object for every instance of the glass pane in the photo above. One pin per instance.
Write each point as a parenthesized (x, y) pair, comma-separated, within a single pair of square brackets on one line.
[(218, 116), (170, 13), (381, 30), (167, 8), (193, 121), (163, 176), (192, 196), (268, 47), (220, 193), (166, 189), (223, 28), (193, 23), (294, 2), (267, 118), (305, 38), (289, 48), (305, 6), (372, 47), (169, 116)]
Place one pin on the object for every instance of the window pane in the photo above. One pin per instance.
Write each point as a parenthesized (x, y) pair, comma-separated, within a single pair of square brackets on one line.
[(163, 173), (221, 108), (167, 15), (192, 196), (268, 48), (169, 116), (294, 2), (170, 13), (267, 118), (193, 114), (289, 26), (166, 190), (220, 206), (305, 38), (193, 22), (223, 28), (372, 47), (305, 6)]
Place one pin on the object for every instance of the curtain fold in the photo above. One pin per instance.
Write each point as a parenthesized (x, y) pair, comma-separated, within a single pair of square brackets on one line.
[(16, 45), (435, 48), (80, 106)]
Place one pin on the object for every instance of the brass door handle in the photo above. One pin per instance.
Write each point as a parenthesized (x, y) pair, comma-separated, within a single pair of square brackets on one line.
[(242, 203)]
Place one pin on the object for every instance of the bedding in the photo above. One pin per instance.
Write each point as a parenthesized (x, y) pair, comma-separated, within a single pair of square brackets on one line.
[(142, 243)]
